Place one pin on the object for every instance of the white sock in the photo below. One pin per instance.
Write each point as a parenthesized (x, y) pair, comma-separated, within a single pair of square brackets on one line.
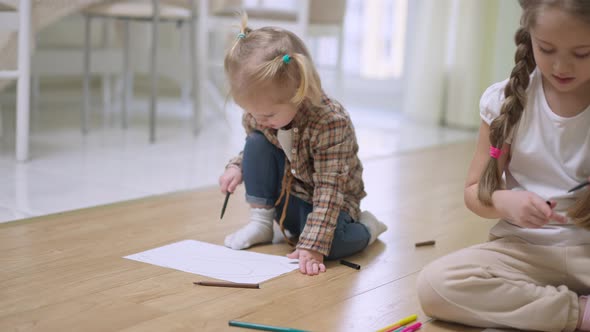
[(374, 226), (258, 230)]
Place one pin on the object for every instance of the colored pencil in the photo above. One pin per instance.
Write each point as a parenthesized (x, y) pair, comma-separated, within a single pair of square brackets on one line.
[(399, 323), (350, 264), (226, 284), (413, 327), (407, 328), (425, 243), (262, 327), (224, 204), (580, 186)]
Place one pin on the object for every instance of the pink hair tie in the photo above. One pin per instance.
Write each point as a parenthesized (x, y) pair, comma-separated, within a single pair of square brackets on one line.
[(495, 152)]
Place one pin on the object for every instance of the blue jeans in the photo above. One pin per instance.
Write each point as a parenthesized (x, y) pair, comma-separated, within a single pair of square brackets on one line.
[(262, 167)]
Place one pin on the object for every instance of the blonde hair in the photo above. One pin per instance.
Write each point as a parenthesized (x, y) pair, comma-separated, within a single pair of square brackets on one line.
[(516, 99), (256, 59)]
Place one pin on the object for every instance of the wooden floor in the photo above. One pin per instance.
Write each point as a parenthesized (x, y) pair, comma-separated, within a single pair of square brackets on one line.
[(65, 272)]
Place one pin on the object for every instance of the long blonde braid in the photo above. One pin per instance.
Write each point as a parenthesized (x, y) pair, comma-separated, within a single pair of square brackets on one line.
[(510, 113)]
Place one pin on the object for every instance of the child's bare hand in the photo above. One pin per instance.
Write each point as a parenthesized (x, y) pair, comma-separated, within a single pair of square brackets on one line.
[(525, 209), (310, 262), (230, 179)]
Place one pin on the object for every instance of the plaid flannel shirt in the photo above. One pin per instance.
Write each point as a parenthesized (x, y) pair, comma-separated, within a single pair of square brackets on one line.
[(325, 166)]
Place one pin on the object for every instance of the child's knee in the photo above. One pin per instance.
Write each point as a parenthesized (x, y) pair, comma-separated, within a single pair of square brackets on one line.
[(257, 139), (257, 145), (428, 287), (446, 285), (440, 286)]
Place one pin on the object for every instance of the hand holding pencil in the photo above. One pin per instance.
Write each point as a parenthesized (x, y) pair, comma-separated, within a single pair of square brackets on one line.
[(230, 179), (228, 182)]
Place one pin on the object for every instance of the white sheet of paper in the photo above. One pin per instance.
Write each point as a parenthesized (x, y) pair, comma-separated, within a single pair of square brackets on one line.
[(217, 261)]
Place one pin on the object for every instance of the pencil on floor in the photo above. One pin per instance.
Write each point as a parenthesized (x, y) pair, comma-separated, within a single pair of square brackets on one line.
[(226, 284), (350, 264), (262, 327), (425, 243), (410, 328), (400, 323)]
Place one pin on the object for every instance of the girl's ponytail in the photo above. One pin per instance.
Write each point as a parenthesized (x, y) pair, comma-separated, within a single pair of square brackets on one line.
[(510, 113), (309, 87), (580, 210)]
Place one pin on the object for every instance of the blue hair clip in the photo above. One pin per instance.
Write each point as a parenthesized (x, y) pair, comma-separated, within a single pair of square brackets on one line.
[(286, 58), (241, 35)]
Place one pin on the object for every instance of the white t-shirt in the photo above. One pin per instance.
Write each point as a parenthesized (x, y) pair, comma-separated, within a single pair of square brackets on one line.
[(549, 155), (285, 138)]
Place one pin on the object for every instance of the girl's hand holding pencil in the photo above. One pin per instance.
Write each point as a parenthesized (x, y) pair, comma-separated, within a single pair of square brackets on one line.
[(525, 209), (230, 179)]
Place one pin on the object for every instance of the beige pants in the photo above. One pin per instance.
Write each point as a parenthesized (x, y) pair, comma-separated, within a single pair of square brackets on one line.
[(508, 283)]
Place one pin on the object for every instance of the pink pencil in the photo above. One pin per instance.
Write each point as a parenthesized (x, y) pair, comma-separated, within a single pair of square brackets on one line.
[(412, 327), (407, 328)]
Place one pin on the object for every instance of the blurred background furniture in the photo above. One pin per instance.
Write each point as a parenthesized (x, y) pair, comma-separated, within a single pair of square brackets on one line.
[(18, 19), (16, 50), (304, 17), (154, 12), (326, 18)]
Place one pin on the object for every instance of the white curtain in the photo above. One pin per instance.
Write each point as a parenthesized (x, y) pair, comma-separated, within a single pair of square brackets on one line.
[(457, 49)]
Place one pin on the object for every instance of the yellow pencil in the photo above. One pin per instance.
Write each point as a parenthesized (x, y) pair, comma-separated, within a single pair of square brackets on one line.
[(399, 323)]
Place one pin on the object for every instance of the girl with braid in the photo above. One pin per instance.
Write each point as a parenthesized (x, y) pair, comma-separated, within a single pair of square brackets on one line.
[(299, 164), (534, 145)]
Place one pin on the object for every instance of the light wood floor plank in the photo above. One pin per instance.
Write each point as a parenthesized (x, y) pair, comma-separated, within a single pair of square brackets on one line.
[(66, 272), (88, 313)]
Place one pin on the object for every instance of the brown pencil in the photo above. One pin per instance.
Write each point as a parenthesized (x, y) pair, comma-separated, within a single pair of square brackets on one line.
[(226, 284), (425, 243)]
